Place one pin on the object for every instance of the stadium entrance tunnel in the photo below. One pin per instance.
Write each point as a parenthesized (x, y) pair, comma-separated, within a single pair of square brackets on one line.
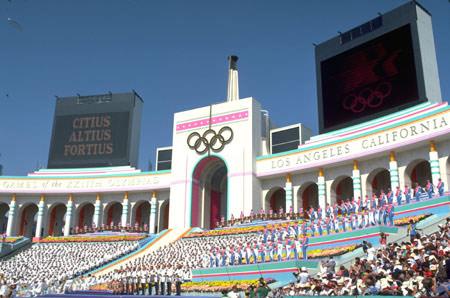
[(56, 220), (164, 215), (141, 214), (209, 193), (113, 214), (276, 199), (341, 189), (85, 215), (377, 181), (417, 171), (308, 195), (28, 220), (4, 209)]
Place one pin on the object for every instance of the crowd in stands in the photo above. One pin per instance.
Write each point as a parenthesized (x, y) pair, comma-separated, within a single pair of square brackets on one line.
[(374, 207), (419, 268), (408, 268), (174, 263), (110, 228), (45, 267)]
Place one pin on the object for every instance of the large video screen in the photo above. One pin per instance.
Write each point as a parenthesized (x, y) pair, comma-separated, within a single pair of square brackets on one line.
[(90, 140), (369, 80)]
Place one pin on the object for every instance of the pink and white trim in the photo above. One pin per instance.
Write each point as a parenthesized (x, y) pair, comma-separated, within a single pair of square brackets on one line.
[(214, 120)]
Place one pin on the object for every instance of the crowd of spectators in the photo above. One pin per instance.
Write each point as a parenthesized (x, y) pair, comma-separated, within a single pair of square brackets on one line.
[(405, 268), (419, 268), (174, 263), (45, 267)]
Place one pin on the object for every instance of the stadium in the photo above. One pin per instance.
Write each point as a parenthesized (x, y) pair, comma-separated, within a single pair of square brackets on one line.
[(237, 206)]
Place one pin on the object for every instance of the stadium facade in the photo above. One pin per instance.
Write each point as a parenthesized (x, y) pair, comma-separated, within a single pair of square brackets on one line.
[(227, 159)]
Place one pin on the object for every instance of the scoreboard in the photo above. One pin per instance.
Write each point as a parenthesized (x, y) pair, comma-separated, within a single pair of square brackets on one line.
[(382, 66), (96, 131)]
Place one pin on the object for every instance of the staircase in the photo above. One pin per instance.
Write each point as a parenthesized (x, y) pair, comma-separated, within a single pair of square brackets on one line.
[(161, 240)]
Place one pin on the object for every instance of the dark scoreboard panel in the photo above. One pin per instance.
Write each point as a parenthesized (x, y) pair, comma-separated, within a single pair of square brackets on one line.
[(164, 159), (380, 67), (285, 140), (369, 79), (96, 131)]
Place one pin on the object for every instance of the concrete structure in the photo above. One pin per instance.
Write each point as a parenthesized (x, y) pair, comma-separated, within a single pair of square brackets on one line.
[(222, 165), (399, 149), (419, 23)]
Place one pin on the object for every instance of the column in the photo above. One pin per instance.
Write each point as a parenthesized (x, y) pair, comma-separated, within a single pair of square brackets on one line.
[(321, 189), (68, 216), (393, 171), (356, 177), (125, 210), (159, 215), (40, 217), (11, 216), (434, 164), (153, 204), (97, 211), (288, 189)]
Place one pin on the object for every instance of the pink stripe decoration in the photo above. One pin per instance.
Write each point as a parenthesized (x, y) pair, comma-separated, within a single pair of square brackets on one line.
[(240, 174), (214, 120), (344, 240), (422, 208), (365, 153), (293, 269), (43, 174), (91, 190), (379, 124)]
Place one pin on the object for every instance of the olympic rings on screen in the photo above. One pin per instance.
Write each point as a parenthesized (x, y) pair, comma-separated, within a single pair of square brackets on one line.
[(210, 140), (367, 98)]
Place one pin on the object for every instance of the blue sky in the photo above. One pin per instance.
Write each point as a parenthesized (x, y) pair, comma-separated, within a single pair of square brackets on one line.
[(173, 53)]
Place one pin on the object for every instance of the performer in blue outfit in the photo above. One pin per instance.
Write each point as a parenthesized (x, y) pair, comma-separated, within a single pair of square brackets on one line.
[(305, 243), (440, 187), (407, 193)]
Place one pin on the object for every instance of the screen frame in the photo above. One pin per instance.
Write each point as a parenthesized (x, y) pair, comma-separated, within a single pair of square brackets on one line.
[(428, 91)]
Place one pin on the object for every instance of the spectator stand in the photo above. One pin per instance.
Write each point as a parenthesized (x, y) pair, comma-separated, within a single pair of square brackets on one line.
[(9, 246), (277, 270), (161, 239), (149, 241), (428, 226), (282, 270), (438, 205), (108, 294)]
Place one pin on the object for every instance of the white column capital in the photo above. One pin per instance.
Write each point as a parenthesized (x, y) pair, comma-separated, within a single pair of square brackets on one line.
[(11, 216), (68, 216), (97, 211), (40, 216)]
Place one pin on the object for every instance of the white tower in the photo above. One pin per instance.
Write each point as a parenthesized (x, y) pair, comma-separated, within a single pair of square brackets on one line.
[(214, 151), (233, 79)]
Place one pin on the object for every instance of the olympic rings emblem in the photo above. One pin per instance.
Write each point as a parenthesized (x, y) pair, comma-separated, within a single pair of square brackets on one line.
[(367, 98), (210, 140)]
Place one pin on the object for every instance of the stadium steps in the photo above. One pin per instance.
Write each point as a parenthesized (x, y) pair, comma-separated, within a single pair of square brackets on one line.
[(163, 238), (430, 225), (16, 249), (399, 236), (426, 226)]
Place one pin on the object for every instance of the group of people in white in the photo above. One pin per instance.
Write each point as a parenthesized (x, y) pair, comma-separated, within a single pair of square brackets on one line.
[(143, 278), (45, 267), (175, 261)]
